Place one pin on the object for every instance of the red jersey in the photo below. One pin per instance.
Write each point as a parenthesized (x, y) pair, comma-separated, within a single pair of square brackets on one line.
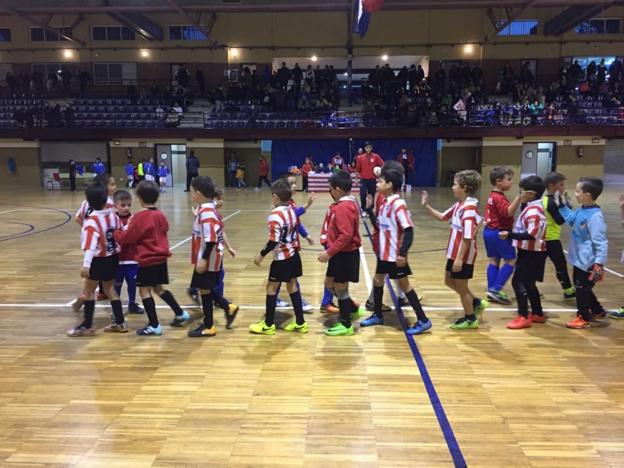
[(147, 230), (464, 220), (532, 221), (406, 158), (343, 227), (306, 168), (497, 212), (96, 239), (282, 226), (263, 170), (127, 252), (392, 219), (366, 163), (208, 228), (325, 225)]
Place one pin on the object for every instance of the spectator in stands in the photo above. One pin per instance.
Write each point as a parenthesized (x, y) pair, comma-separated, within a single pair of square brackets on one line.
[(68, 114), (192, 169), (160, 112), (218, 98), (183, 76), (178, 109), (201, 82), (173, 118), (11, 83), (84, 77), (66, 77), (283, 75), (232, 165), (263, 173)]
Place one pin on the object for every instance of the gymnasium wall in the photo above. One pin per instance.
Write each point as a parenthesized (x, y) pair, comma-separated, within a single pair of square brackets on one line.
[(614, 157), (456, 156), (248, 154), (28, 173), (575, 167), (438, 34)]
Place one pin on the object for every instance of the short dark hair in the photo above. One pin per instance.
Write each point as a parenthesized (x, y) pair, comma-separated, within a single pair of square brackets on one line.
[(499, 172), (148, 191), (470, 180), (97, 194), (219, 192), (121, 195), (393, 172), (341, 180), (281, 188), (103, 178), (553, 178), (533, 183), (204, 185), (592, 185)]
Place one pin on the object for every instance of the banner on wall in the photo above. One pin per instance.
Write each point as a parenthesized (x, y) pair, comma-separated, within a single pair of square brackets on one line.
[(288, 153)]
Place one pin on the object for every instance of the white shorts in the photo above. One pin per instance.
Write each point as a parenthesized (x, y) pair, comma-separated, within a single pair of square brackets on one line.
[(162, 180), (149, 177)]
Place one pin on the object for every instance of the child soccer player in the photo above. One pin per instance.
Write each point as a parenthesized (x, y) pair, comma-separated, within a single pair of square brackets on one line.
[(499, 216), (396, 233), (529, 237), (342, 254), (128, 266), (147, 231), (286, 265), (588, 249), (299, 211), (163, 172), (555, 183), (240, 176), (207, 255), (462, 245), (130, 174), (100, 261)]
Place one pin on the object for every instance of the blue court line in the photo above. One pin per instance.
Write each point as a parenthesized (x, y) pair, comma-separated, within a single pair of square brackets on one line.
[(438, 409)]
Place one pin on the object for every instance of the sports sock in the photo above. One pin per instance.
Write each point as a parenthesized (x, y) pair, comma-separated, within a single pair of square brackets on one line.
[(89, 309), (131, 283), (206, 300), (412, 297), (504, 274), (171, 302), (377, 298), (150, 309), (345, 306), (492, 275), (117, 311), (471, 317), (271, 302), (298, 306), (328, 297)]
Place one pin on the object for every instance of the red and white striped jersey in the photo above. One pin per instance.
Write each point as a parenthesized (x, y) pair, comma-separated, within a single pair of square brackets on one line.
[(282, 225), (464, 220), (325, 225), (97, 235), (84, 209), (392, 219), (532, 221), (208, 227)]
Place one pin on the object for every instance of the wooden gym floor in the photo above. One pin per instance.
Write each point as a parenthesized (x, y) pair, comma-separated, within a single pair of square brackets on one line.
[(546, 396)]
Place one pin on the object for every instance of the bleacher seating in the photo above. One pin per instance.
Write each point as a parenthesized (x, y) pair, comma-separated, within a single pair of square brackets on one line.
[(118, 113)]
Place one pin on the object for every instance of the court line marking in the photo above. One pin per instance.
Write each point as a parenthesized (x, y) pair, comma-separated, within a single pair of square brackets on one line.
[(434, 399), (182, 242), (10, 211), (367, 276), (604, 268)]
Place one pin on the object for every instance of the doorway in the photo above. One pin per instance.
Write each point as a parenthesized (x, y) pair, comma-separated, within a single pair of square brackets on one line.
[(174, 157), (537, 159)]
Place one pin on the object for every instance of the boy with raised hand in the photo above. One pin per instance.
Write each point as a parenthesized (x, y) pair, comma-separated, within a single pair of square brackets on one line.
[(342, 253), (588, 249), (396, 234), (462, 244)]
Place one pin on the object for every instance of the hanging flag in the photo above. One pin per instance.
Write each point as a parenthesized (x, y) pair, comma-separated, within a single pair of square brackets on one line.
[(365, 8)]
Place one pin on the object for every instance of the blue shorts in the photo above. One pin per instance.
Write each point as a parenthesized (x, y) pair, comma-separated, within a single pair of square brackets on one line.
[(497, 247)]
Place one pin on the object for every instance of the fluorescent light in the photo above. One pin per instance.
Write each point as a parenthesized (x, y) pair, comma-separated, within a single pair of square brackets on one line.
[(314, 58), (145, 53), (469, 49), (234, 52), (384, 57), (68, 53)]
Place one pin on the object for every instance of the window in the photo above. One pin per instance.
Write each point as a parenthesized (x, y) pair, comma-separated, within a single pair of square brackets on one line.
[(519, 28), (114, 73), (5, 35), (186, 33), (112, 33), (599, 26), (47, 69), (51, 35)]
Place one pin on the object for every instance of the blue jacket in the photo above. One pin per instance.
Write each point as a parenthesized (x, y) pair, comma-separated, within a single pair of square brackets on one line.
[(588, 240)]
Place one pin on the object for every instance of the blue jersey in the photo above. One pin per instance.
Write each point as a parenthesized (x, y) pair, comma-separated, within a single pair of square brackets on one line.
[(129, 169), (99, 168), (163, 171)]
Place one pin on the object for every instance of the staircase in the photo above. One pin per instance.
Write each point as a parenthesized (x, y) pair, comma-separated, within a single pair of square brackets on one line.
[(194, 116)]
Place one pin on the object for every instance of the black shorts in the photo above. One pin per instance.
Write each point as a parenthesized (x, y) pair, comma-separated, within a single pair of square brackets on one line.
[(206, 280), (282, 271), (530, 265), (465, 273), (392, 269), (104, 268), (153, 275), (344, 267)]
